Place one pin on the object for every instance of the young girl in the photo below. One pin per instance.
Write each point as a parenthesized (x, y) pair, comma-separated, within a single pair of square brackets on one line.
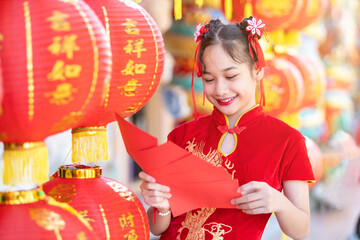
[(265, 155)]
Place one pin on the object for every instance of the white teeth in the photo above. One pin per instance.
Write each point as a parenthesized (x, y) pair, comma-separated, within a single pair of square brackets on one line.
[(227, 100)]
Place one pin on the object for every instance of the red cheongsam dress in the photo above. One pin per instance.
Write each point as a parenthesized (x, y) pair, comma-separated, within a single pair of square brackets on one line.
[(266, 149)]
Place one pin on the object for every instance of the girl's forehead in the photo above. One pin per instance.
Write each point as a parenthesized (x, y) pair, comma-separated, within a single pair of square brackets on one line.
[(216, 57)]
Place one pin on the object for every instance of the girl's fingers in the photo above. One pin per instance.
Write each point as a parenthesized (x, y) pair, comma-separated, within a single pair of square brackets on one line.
[(250, 205), (152, 193), (155, 201), (250, 187), (146, 177), (154, 187), (247, 198), (259, 210)]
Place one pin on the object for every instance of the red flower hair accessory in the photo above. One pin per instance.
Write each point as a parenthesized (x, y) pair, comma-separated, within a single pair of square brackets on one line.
[(255, 26), (255, 29), (200, 30)]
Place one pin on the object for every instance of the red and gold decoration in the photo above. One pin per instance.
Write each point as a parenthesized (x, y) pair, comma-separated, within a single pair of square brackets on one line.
[(33, 215), (138, 59), (112, 210), (310, 11), (275, 14), (283, 86), (309, 75), (55, 59)]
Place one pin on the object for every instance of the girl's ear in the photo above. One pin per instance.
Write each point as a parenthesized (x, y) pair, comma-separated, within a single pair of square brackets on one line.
[(259, 74)]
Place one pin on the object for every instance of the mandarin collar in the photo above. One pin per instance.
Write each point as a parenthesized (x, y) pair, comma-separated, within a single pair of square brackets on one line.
[(248, 116)]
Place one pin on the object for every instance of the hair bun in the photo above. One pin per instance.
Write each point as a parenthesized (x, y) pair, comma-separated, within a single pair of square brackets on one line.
[(243, 24), (213, 27)]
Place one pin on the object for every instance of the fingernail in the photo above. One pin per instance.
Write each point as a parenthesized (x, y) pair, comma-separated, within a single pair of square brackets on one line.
[(168, 195), (238, 190), (232, 201)]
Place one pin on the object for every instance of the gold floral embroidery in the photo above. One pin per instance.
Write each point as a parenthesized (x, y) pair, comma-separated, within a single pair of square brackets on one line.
[(194, 222), (63, 192), (230, 165), (213, 156), (217, 230), (48, 220)]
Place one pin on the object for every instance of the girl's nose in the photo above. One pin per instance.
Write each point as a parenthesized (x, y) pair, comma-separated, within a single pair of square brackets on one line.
[(221, 88)]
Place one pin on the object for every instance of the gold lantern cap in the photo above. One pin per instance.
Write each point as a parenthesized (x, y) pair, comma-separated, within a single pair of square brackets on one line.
[(79, 171)]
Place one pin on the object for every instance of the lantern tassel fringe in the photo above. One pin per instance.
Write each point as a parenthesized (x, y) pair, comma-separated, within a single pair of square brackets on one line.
[(90, 146), (26, 166), (248, 9)]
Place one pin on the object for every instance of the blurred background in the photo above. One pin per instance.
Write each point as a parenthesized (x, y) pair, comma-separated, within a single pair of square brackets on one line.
[(316, 46)]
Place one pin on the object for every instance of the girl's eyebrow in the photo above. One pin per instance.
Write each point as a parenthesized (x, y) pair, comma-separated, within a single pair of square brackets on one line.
[(229, 68), (224, 70)]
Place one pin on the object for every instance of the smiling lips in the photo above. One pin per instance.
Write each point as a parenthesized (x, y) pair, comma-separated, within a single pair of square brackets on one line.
[(225, 101)]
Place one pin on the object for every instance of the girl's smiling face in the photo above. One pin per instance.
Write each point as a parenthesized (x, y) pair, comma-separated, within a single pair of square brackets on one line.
[(230, 86)]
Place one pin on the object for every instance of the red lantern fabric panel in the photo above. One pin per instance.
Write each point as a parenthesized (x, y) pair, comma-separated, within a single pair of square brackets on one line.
[(110, 207), (283, 86), (55, 57), (26, 215), (309, 13), (138, 58), (309, 75), (276, 14)]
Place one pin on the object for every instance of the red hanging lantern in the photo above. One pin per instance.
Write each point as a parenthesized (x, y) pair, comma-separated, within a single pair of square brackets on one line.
[(32, 215), (138, 60), (113, 211), (55, 57), (310, 11), (309, 75), (283, 85), (236, 8), (276, 14)]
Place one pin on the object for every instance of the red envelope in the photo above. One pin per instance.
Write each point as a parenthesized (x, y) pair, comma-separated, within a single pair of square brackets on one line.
[(194, 183)]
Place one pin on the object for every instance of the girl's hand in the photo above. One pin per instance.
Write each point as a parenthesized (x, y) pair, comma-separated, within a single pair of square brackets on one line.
[(258, 198), (154, 194)]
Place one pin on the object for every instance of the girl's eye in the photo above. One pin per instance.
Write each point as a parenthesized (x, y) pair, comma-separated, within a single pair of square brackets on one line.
[(208, 80), (231, 77)]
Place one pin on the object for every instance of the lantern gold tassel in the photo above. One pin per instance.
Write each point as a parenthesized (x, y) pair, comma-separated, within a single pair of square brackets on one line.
[(248, 9), (200, 3), (25, 163), (89, 144), (177, 9), (292, 38), (228, 9)]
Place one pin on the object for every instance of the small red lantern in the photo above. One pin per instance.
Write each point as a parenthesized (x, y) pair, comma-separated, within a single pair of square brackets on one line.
[(310, 11), (138, 60), (276, 14), (55, 57), (113, 211), (32, 215), (309, 75), (283, 85), (316, 159)]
